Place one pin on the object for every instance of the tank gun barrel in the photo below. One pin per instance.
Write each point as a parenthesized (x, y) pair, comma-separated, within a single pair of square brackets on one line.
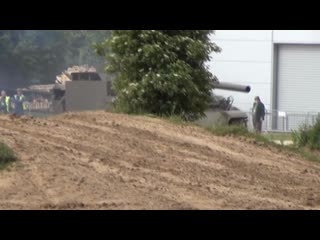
[(232, 87)]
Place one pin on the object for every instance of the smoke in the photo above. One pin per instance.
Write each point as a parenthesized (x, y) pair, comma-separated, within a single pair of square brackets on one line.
[(37, 56), (9, 80), (10, 74)]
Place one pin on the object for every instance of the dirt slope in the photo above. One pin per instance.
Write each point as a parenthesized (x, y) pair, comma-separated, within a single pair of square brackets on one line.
[(101, 160)]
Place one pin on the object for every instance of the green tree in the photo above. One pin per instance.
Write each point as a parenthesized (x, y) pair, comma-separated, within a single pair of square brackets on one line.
[(31, 54), (37, 56), (81, 47), (162, 72)]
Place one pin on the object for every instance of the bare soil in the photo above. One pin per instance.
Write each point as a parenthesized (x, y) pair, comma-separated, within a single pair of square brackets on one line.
[(99, 160)]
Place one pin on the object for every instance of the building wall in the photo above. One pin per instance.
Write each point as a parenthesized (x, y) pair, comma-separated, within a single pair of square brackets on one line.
[(297, 36), (86, 95), (299, 78), (247, 57)]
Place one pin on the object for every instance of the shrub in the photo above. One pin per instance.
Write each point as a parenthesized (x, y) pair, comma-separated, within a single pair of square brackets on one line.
[(308, 136), (6, 155)]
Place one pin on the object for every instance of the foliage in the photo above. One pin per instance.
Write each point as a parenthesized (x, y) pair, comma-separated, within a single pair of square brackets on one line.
[(37, 56), (308, 136), (7, 156), (161, 72)]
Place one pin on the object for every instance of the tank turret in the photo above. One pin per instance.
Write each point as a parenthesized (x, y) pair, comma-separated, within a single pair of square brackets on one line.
[(221, 110), (232, 87)]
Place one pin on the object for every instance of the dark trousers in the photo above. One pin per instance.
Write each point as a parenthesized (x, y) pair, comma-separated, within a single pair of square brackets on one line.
[(258, 126), (3, 109)]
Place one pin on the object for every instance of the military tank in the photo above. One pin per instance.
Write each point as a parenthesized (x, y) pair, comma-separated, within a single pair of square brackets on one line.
[(221, 110), (80, 88)]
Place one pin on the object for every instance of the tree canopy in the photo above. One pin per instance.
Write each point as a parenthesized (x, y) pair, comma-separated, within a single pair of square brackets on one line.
[(37, 56), (161, 71)]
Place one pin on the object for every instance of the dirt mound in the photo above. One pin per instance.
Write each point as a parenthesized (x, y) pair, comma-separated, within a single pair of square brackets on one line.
[(98, 160)]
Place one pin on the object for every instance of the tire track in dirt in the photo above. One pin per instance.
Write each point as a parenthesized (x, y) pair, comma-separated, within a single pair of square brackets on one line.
[(162, 175), (111, 161)]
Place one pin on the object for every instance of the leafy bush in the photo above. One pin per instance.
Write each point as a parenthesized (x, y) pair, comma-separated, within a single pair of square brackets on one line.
[(6, 155), (308, 136), (162, 72), (230, 130)]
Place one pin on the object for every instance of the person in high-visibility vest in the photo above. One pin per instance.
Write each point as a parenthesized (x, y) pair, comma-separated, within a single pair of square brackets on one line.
[(19, 103), (5, 102)]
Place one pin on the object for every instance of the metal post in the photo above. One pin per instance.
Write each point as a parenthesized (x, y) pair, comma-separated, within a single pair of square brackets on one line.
[(266, 119)]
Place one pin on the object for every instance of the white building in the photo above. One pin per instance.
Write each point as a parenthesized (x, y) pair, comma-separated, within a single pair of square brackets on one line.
[(281, 66)]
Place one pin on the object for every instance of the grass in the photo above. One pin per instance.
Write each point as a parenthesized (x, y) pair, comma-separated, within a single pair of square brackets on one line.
[(229, 130), (177, 120), (240, 132), (278, 136), (222, 130), (261, 139), (306, 153), (7, 156), (267, 140)]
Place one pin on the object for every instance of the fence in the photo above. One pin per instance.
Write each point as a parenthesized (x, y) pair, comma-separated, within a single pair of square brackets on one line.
[(39, 108), (277, 121)]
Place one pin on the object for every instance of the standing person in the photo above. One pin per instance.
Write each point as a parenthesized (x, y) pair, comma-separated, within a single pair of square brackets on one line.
[(5, 103), (258, 114), (18, 103)]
